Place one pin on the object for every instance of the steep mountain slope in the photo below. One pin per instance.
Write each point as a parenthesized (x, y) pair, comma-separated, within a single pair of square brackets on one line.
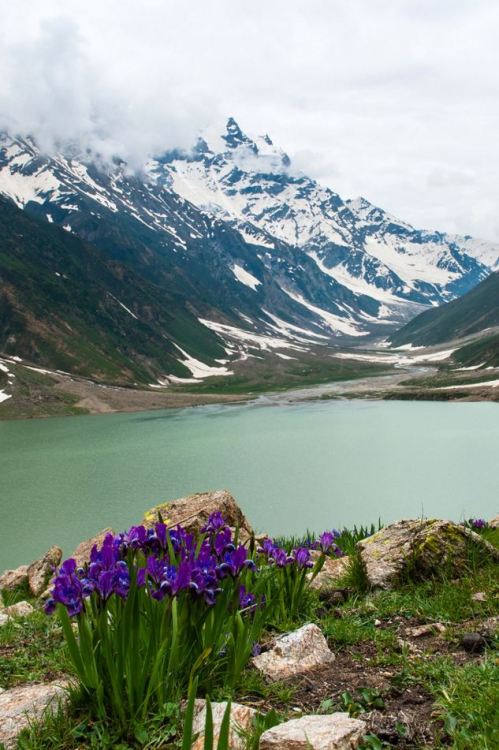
[(64, 305), (472, 313), (480, 354), (236, 253)]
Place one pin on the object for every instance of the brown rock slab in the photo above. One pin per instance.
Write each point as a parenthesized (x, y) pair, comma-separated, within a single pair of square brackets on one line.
[(14, 579), (193, 511), (241, 718), (40, 572), (331, 572), (419, 549), (23, 704), (319, 732), (295, 653), (83, 550)]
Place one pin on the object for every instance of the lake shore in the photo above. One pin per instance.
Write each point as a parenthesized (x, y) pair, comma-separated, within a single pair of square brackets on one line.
[(40, 394)]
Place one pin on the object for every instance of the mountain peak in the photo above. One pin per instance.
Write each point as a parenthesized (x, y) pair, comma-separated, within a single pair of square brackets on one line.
[(235, 137)]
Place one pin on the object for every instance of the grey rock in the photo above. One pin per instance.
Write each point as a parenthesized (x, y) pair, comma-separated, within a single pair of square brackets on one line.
[(14, 579), (23, 704), (193, 512), (21, 609), (320, 732), (419, 549), (41, 571), (431, 628), (473, 643), (295, 653), (332, 571), (241, 718)]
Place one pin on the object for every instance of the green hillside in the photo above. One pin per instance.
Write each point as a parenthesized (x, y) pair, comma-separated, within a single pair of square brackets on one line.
[(471, 313), (484, 352), (65, 305)]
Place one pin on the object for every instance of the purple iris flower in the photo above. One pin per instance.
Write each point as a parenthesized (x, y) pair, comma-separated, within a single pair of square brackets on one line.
[(326, 541), (135, 537), (302, 557), (68, 589), (268, 547), (234, 561), (478, 523), (281, 557), (223, 541), (246, 598), (215, 522)]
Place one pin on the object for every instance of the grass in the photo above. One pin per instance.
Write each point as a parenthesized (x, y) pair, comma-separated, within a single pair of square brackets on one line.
[(467, 701), (32, 650), (364, 630), (271, 374), (34, 394)]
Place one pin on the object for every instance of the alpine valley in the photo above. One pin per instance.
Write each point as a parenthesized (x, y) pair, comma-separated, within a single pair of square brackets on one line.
[(205, 263)]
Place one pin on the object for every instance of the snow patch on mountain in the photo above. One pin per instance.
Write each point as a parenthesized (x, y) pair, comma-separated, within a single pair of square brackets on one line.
[(245, 277), (334, 322), (200, 369)]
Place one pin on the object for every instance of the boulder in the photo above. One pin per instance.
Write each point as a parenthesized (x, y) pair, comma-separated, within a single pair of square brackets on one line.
[(14, 579), (295, 653), (332, 571), (319, 732), (494, 523), (20, 706), (40, 572), (21, 609), (83, 550), (193, 511), (419, 549), (241, 720), (4, 619)]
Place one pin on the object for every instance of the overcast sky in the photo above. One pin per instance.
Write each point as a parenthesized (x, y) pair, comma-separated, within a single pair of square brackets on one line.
[(396, 100)]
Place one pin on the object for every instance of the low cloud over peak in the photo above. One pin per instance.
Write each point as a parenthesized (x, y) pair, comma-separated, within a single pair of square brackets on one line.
[(397, 102)]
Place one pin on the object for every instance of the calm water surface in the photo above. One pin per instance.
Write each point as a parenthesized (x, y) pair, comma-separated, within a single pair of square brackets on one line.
[(291, 467)]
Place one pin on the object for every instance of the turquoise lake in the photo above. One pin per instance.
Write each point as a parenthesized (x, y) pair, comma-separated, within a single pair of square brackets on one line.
[(292, 467)]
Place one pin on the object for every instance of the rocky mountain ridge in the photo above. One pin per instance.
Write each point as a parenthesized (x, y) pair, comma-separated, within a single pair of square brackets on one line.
[(241, 255)]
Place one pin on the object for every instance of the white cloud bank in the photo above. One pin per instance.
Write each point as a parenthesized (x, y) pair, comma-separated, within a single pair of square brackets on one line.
[(395, 101)]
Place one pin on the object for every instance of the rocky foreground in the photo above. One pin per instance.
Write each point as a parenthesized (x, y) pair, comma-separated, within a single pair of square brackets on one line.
[(412, 604)]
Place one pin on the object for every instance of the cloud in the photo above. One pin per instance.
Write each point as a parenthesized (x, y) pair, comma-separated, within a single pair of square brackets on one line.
[(394, 101)]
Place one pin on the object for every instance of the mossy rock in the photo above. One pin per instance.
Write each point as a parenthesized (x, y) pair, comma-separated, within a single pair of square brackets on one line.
[(419, 550)]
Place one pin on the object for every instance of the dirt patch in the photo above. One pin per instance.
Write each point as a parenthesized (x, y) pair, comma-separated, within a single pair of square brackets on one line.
[(406, 716)]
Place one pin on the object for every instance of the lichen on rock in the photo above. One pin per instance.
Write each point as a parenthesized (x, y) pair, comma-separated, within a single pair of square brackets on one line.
[(418, 550)]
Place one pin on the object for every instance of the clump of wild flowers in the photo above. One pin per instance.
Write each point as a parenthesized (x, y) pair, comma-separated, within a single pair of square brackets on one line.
[(478, 524), (156, 607)]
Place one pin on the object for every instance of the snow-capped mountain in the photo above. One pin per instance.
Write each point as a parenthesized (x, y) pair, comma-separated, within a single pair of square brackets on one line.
[(255, 254), (251, 183)]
